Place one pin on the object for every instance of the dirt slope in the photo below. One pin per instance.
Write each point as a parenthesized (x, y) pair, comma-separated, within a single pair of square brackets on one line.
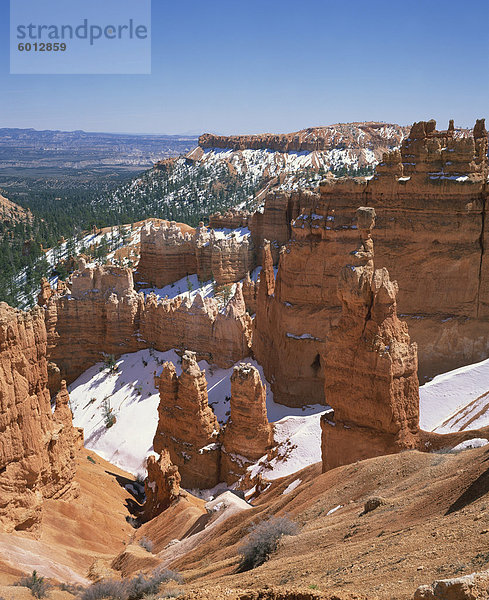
[(435, 524)]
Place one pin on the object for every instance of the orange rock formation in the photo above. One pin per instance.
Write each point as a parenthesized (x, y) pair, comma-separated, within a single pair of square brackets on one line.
[(187, 426), (104, 314), (248, 434), (431, 235), (168, 255), (162, 485), (370, 364), (371, 135), (36, 447), (370, 368)]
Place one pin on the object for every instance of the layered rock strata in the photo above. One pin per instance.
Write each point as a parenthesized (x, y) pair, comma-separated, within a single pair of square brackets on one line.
[(370, 364), (168, 255), (37, 447), (431, 200), (105, 315), (248, 434), (189, 431), (370, 368), (162, 485), (187, 426), (368, 135)]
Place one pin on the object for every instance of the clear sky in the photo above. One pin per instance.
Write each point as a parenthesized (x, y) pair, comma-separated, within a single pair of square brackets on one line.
[(252, 66)]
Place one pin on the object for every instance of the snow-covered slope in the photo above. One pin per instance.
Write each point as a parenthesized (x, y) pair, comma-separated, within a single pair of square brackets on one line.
[(456, 400), (451, 402)]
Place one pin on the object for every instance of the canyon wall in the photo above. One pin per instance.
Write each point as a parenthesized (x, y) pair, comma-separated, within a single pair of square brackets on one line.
[(430, 198), (103, 314), (168, 255), (37, 448), (370, 369)]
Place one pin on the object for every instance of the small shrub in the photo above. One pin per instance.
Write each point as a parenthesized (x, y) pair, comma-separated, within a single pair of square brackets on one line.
[(145, 585), (38, 585), (109, 417), (140, 586), (107, 588), (264, 539), (91, 460), (110, 363), (146, 543)]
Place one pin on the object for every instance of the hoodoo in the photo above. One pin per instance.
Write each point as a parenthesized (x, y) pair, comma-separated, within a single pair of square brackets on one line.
[(248, 434), (187, 426), (370, 364)]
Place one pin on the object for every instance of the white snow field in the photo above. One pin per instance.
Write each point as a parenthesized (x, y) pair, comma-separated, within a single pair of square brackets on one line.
[(450, 402), (456, 400)]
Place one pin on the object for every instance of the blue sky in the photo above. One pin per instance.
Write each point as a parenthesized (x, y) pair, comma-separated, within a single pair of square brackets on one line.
[(269, 65)]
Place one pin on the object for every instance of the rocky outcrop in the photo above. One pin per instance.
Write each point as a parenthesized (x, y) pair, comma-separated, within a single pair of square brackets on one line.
[(370, 365), (431, 200), (231, 219), (368, 135), (221, 335), (162, 485), (105, 315), (37, 448), (101, 314), (248, 434), (469, 587), (168, 255), (45, 293), (187, 426), (12, 213)]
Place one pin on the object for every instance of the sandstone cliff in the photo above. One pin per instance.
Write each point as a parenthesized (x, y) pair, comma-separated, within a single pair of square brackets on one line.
[(105, 315), (368, 135), (370, 368), (431, 200), (187, 426), (168, 255), (248, 434), (36, 447)]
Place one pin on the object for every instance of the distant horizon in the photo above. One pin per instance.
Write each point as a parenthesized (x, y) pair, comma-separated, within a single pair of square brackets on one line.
[(196, 135)]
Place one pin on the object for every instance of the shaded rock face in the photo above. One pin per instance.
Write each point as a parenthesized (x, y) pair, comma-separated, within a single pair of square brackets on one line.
[(162, 485), (431, 234), (187, 426), (248, 434), (37, 447), (370, 365), (168, 255), (105, 315)]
